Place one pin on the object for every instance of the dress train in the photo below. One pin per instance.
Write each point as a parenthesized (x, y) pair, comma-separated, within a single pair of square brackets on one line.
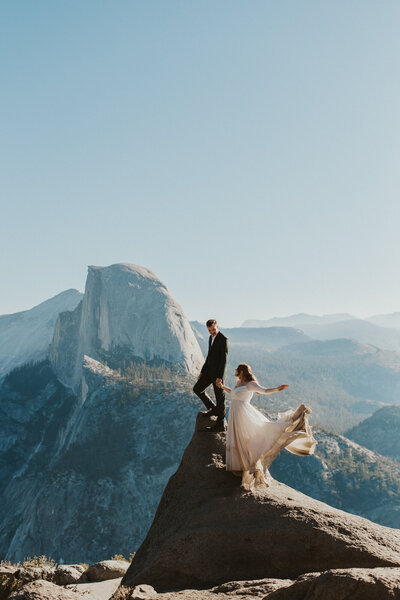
[(253, 441)]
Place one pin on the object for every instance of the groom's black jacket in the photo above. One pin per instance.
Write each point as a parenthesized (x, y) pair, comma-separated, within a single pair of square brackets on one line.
[(215, 363)]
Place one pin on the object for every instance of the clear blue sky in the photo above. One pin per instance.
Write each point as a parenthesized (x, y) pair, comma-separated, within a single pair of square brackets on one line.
[(247, 152)]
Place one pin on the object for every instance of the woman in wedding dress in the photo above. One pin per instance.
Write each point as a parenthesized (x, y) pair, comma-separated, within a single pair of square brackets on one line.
[(252, 440)]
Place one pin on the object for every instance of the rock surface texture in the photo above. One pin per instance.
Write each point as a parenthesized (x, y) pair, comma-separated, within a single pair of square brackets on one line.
[(106, 569), (208, 531), (97, 590), (44, 590), (342, 584), (126, 313), (335, 584)]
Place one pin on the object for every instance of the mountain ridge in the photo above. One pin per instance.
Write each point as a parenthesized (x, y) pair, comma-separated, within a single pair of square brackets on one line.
[(126, 314), (27, 335), (379, 432)]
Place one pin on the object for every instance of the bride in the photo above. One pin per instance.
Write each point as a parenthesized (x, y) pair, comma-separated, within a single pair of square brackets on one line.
[(252, 440)]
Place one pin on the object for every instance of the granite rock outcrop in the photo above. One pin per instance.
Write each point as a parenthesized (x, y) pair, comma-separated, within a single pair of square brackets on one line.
[(126, 314), (208, 530)]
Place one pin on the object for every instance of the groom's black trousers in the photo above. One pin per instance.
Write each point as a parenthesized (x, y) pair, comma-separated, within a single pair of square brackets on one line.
[(199, 389)]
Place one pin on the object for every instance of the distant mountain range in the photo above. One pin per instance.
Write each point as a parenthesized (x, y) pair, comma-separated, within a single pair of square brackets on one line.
[(126, 314), (96, 407), (341, 379), (380, 432), (356, 329), (345, 475), (391, 320), (268, 338), (298, 320), (89, 430), (27, 335), (382, 331)]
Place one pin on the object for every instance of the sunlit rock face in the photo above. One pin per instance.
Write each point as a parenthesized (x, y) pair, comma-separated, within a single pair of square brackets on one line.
[(207, 530), (126, 313)]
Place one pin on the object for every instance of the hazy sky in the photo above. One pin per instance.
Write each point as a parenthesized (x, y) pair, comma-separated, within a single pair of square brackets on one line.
[(247, 152)]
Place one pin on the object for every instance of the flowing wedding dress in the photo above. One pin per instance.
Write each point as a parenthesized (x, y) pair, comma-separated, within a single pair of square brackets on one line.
[(253, 441)]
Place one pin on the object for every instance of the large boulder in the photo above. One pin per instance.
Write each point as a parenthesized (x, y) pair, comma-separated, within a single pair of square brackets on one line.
[(27, 574), (65, 574), (380, 583), (44, 590), (106, 569), (208, 530), (59, 574), (342, 584), (8, 570)]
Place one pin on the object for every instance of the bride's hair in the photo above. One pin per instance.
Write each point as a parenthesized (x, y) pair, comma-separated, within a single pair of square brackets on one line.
[(245, 372)]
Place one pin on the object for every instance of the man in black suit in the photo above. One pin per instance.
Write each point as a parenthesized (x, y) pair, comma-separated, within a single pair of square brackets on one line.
[(213, 372)]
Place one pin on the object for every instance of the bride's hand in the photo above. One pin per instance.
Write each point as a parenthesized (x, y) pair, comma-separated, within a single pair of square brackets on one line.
[(282, 387), (218, 383)]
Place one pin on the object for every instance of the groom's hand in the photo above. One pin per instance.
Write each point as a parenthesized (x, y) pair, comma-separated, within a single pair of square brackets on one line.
[(218, 382)]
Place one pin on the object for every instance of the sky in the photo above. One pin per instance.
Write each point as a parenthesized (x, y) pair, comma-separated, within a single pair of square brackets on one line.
[(246, 152)]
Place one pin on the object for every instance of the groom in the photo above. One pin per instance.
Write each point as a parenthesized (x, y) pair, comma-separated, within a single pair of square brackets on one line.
[(213, 372)]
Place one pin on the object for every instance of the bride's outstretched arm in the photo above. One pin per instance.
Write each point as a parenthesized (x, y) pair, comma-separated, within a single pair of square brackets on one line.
[(255, 387), (277, 389)]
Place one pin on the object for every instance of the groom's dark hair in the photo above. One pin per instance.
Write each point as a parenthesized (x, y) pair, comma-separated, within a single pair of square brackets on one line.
[(211, 322)]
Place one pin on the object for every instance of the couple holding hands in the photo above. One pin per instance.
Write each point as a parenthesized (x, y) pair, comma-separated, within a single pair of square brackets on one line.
[(252, 440)]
